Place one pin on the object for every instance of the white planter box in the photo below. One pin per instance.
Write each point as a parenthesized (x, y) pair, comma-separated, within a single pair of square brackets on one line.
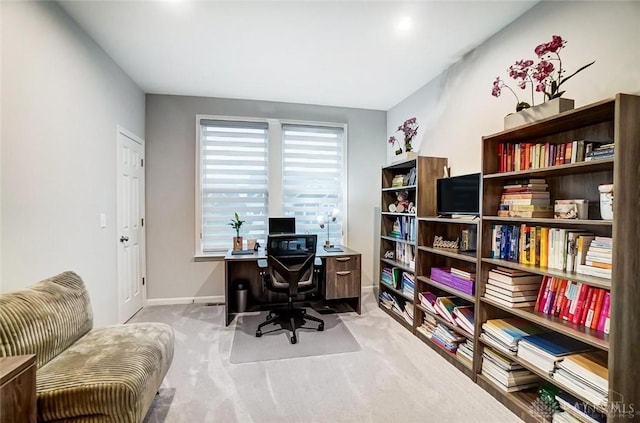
[(541, 111), (404, 156)]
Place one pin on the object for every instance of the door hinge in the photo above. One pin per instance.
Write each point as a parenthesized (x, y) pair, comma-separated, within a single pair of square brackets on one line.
[(142, 281), (141, 162), (142, 222)]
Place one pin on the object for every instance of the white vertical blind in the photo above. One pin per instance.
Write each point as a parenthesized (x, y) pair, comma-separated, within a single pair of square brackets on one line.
[(313, 177), (234, 176)]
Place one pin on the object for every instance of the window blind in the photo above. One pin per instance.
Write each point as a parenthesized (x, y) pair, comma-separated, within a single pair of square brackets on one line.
[(234, 178), (312, 177)]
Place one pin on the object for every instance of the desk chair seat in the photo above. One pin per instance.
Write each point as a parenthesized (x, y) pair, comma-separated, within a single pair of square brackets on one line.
[(291, 267)]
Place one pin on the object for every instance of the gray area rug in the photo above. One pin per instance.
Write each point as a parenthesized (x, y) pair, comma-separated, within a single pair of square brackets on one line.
[(274, 344)]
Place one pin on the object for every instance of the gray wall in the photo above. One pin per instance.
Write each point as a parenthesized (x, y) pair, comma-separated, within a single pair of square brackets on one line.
[(62, 99), (456, 109), (171, 145)]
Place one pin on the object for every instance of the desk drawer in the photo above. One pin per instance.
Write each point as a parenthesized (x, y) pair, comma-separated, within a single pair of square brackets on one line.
[(342, 277)]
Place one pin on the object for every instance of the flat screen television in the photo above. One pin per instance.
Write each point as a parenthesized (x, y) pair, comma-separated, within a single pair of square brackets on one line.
[(458, 195), (282, 225)]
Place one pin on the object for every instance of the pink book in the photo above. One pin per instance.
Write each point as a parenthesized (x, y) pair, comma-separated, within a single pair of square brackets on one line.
[(604, 312)]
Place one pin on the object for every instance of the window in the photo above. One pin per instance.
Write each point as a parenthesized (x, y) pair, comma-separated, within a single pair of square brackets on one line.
[(303, 177), (312, 174), (233, 178)]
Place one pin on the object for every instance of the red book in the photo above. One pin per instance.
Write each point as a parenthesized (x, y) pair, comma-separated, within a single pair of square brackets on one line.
[(560, 294), (592, 307), (584, 289), (500, 157), (604, 312), (586, 304), (566, 302), (567, 152), (597, 309), (509, 167), (541, 293)]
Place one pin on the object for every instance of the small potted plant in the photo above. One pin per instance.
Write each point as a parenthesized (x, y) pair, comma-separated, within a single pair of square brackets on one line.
[(236, 224)]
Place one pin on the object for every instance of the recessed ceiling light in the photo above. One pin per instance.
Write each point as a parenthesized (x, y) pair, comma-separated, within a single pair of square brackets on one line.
[(404, 24)]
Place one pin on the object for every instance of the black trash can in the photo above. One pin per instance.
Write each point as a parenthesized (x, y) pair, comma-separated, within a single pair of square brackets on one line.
[(242, 292)]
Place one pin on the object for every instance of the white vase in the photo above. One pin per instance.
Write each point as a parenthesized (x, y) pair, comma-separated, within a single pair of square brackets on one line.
[(541, 111)]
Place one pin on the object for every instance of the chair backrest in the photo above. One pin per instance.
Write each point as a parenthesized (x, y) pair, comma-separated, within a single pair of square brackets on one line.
[(291, 259)]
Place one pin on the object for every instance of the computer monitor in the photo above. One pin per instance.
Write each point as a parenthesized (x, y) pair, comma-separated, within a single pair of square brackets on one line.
[(282, 225)]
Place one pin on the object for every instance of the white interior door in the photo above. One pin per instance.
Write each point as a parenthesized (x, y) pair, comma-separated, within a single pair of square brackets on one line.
[(130, 224)]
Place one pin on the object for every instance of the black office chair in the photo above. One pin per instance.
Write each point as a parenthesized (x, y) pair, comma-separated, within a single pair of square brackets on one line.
[(290, 268)]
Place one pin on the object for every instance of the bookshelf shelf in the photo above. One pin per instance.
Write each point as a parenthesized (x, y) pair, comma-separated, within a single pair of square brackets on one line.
[(451, 326), (520, 402), (391, 189), (558, 170), (398, 214), (550, 222), (452, 358), (397, 292), (449, 220), (446, 288), (402, 241), (575, 277), (469, 257), (393, 263), (594, 338), (397, 317)]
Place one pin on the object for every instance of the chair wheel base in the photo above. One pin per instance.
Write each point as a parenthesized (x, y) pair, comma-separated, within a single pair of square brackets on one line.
[(258, 333), (293, 339), (321, 328)]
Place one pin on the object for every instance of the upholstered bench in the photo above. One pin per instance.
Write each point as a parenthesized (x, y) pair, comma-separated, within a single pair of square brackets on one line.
[(107, 374)]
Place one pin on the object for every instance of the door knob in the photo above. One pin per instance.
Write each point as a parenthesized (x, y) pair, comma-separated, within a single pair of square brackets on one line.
[(124, 238)]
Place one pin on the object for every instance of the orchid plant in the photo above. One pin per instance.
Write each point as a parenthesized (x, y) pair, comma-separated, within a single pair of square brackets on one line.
[(544, 77), (409, 129)]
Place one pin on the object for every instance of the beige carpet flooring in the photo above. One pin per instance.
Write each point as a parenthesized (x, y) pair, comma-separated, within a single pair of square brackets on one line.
[(393, 378)]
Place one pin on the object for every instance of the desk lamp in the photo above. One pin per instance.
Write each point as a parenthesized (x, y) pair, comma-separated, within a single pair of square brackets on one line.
[(326, 220)]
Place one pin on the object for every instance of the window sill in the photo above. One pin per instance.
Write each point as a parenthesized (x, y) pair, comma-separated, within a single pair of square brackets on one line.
[(209, 257)]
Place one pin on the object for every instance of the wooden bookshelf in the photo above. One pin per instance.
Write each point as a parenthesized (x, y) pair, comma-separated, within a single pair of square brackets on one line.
[(615, 120), (452, 358)]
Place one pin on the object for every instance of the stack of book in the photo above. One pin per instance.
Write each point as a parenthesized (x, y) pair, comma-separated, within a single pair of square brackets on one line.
[(404, 227), (407, 313), (386, 300), (408, 284), (465, 352), (586, 374), (392, 303), (463, 283), (598, 259), (512, 288), (576, 411), (427, 300), (575, 302), (446, 338), (428, 325), (504, 334), (506, 374), (398, 180), (544, 350), (405, 253), (463, 317), (445, 307), (602, 151), (526, 198), (391, 276)]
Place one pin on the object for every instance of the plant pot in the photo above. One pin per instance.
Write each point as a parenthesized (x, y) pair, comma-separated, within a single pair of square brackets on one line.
[(237, 243), (535, 113), (405, 156)]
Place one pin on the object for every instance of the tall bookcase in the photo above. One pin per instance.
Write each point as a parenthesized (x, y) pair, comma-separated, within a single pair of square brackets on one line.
[(430, 257), (398, 250), (615, 120)]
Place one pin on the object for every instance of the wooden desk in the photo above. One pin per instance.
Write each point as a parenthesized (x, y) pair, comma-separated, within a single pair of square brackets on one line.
[(18, 389), (341, 280)]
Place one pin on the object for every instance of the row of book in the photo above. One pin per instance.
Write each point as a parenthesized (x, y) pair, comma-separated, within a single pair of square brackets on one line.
[(512, 288), (452, 309), (440, 335), (604, 151), (529, 155), (404, 228), (573, 364), (575, 302), (398, 279), (405, 253), (555, 248)]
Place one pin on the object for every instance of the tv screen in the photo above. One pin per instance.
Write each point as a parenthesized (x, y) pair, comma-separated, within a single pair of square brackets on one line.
[(282, 225), (458, 195)]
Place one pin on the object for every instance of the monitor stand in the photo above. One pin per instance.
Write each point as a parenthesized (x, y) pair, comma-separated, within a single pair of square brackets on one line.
[(332, 249)]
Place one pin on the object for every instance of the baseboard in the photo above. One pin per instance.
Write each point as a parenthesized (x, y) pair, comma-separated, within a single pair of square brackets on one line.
[(215, 299)]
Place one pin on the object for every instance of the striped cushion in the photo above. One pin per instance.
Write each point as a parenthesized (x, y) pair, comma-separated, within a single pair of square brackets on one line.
[(46, 318), (111, 374)]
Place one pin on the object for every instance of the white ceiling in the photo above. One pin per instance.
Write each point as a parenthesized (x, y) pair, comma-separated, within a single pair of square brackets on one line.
[(366, 54)]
